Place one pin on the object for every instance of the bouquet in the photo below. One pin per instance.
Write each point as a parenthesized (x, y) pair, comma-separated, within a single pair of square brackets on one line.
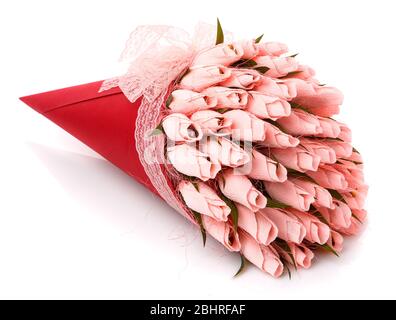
[(237, 136)]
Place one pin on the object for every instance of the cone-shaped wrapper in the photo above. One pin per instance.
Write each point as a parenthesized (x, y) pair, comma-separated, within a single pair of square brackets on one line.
[(103, 121)]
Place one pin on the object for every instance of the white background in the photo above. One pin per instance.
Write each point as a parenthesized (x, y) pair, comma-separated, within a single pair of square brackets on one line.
[(74, 226)]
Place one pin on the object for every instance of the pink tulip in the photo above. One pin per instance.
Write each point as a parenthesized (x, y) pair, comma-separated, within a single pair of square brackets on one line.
[(228, 97), (267, 107), (323, 151), (322, 197), (265, 258), (222, 54), (289, 228), (290, 194), (200, 78), (204, 200), (304, 72), (239, 189), (262, 229), (297, 158), (222, 232), (224, 151), (264, 168), (212, 122), (317, 231), (189, 161), (279, 66), (245, 79), (187, 101), (245, 126), (301, 123), (276, 138), (178, 127), (328, 177)]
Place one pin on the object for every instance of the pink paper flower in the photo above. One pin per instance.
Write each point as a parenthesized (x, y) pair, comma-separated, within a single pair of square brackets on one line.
[(336, 241), (302, 256), (228, 97), (352, 173), (222, 54), (200, 78), (289, 229), (339, 217), (323, 151), (204, 200), (345, 134), (187, 101), (267, 107), (264, 257), (328, 177), (272, 48), (245, 126), (301, 123), (245, 79), (189, 161), (222, 232), (212, 122), (264, 168), (279, 66), (180, 128), (321, 100), (330, 128), (317, 231), (224, 151), (356, 223), (321, 195), (250, 49), (342, 149), (355, 198), (239, 189), (276, 138), (297, 158), (262, 229), (276, 88)]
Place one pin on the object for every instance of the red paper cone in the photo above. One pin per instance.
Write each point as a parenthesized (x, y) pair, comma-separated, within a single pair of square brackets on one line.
[(103, 121)]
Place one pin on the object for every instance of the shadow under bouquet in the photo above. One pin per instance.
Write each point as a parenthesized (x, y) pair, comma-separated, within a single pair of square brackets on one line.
[(237, 136)]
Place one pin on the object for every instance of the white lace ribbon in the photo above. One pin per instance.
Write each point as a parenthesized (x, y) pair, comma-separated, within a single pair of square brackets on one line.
[(156, 55)]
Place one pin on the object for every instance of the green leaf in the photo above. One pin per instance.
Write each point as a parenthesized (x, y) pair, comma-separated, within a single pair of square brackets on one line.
[(336, 195), (298, 174), (355, 150), (318, 215), (169, 101), (285, 247), (290, 74), (157, 131), (258, 39), (222, 110), (357, 218), (287, 268), (271, 203), (242, 267), (220, 33), (294, 55), (198, 218), (262, 69), (244, 63), (329, 249), (234, 210), (299, 106)]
